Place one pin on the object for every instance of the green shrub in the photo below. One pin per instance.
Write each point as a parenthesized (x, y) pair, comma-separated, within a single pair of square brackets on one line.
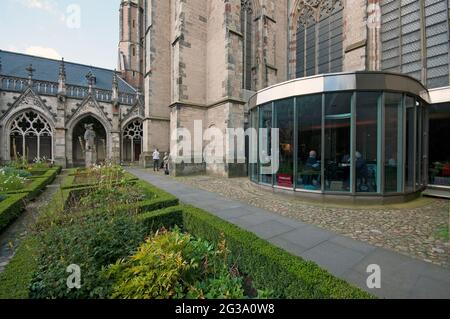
[(10, 208), (92, 242), (268, 266), (16, 278), (174, 265)]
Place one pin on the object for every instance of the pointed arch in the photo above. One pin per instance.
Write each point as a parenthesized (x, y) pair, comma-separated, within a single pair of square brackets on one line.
[(308, 20), (70, 139), (29, 100), (29, 132), (132, 139), (90, 106)]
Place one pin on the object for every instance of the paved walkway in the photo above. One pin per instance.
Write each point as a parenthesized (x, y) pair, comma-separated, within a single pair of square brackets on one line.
[(401, 276), (416, 229)]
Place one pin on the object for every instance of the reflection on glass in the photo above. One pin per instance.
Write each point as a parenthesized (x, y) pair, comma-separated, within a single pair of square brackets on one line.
[(419, 141), (439, 162), (265, 142), (309, 110), (337, 142), (366, 157), (254, 166), (410, 154), (284, 115), (393, 121)]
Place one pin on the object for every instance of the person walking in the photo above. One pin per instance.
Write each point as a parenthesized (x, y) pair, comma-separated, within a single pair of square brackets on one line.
[(156, 156)]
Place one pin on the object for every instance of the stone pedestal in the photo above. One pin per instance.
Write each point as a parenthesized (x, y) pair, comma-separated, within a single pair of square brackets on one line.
[(91, 158)]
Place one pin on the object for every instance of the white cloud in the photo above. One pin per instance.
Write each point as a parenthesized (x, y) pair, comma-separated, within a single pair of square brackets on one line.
[(43, 52), (46, 5)]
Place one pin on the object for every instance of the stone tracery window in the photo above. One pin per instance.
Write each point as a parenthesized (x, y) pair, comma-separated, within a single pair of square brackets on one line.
[(247, 52), (133, 135), (31, 136), (319, 37)]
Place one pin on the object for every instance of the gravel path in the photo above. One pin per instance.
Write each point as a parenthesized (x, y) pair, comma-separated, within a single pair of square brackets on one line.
[(17, 231), (409, 229)]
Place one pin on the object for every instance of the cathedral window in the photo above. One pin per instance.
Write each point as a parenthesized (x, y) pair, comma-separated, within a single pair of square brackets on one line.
[(132, 141), (247, 32), (319, 37), (31, 137)]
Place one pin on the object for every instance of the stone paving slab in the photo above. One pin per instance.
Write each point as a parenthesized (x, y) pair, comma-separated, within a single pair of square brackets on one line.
[(402, 276)]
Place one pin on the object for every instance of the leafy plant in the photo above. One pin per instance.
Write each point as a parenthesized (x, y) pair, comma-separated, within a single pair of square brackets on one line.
[(90, 241), (174, 265), (12, 179)]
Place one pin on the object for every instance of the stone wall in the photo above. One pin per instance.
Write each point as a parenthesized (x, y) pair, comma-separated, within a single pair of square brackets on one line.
[(63, 114)]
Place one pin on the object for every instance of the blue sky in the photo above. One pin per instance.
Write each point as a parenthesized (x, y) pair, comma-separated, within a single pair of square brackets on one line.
[(53, 28)]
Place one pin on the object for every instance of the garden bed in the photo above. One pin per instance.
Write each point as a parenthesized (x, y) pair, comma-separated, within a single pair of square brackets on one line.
[(14, 200), (146, 245), (93, 177)]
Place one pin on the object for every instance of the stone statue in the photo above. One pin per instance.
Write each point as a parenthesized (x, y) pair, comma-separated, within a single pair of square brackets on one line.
[(90, 149)]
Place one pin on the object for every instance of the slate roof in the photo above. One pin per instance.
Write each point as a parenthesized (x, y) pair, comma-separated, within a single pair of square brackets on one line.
[(14, 64)]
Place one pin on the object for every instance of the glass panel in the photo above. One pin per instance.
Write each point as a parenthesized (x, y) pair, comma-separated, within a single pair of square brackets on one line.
[(284, 115), (309, 121), (439, 172), (419, 133), (337, 141), (254, 166), (265, 142), (338, 103), (300, 54), (410, 154), (393, 121), (337, 155), (366, 157)]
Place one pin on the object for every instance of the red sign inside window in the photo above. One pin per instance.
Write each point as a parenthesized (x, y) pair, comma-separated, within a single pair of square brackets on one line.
[(284, 180)]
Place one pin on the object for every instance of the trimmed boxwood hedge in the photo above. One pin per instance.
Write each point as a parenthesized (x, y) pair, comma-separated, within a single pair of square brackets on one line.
[(162, 199), (270, 267), (69, 182), (38, 183), (10, 209), (13, 205)]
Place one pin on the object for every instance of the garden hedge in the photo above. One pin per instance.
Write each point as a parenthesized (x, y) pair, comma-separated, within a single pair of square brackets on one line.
[(269, 267), (10, 209), (16, 278), (69, 181), (13, 205), (38, 183)]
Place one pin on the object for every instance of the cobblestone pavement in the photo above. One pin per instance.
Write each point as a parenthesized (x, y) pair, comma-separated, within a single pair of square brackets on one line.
[(409, 229)]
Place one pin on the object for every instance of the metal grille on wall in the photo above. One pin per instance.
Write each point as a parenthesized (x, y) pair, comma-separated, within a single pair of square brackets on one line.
[(415, 39), (319, 37)]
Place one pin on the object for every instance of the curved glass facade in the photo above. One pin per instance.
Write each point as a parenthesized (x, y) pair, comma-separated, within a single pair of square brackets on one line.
[(349, 142)]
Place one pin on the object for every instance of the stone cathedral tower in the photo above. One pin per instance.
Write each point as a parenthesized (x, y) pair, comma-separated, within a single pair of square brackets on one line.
[(131, 49)]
